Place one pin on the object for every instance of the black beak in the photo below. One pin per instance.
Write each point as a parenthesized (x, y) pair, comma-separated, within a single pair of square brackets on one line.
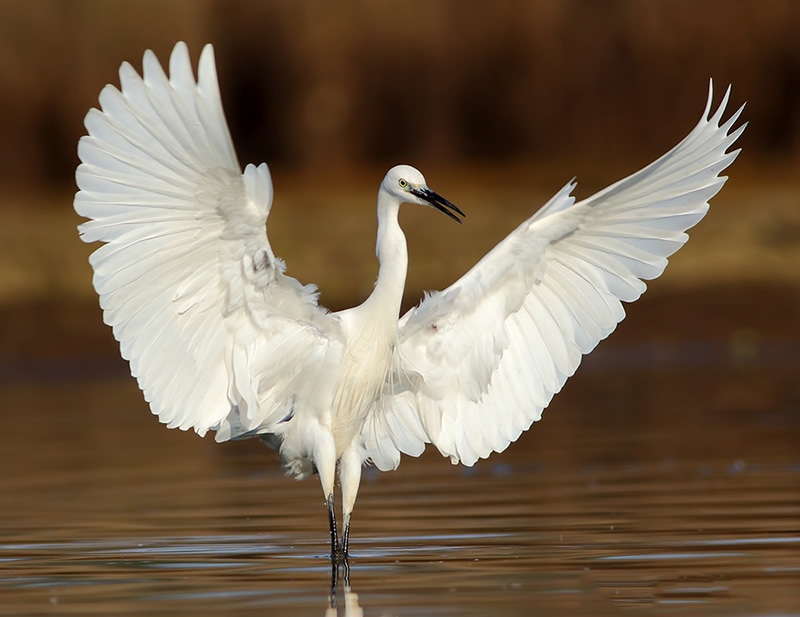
[(438, 202)]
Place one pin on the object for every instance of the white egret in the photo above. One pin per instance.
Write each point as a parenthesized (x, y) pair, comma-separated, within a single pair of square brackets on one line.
[(220, 338)]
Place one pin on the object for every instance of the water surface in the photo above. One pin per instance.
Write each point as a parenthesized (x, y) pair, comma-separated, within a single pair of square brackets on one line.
[(664, 480)]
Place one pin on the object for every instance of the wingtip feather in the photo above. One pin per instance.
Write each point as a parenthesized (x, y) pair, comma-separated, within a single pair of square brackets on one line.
[(709, 100), (180, 66), (715, 119)]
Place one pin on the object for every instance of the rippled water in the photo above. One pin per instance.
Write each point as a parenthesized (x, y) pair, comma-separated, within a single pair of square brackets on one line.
[(666, 481)]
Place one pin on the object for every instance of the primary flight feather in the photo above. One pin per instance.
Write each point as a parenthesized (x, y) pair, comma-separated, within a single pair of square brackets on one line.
[(220, 338)]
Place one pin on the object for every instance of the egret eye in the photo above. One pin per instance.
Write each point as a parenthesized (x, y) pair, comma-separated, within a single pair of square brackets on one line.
[(403, 183)]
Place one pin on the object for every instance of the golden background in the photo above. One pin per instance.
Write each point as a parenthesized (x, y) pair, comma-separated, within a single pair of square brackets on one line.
[(498, 103)]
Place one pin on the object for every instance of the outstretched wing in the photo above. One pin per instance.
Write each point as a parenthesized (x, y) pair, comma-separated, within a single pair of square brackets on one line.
[(187, 279), (479, 361)]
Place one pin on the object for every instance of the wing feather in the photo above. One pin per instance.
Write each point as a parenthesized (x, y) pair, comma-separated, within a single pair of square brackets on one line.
[(488, 353), (186, 277)]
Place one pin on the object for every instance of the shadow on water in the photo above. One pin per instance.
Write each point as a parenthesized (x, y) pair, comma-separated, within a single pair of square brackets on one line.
[(664, 479)]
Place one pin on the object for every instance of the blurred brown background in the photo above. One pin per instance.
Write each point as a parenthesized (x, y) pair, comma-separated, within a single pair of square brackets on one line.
[(499, 103), (677, 438)]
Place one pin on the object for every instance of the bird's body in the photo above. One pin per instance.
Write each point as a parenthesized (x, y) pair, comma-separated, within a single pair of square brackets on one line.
[(219, 338)]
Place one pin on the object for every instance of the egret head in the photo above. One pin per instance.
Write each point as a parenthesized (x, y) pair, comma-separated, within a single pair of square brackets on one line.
[(408, 185)]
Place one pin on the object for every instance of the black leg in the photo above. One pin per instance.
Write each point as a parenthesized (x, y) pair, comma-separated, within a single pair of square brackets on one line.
[(345, 545), (346, 540), (346, 572), (335, 583), (338, 552), (334, 535)]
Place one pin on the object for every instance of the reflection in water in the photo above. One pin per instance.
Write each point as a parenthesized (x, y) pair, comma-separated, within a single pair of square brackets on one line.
[(676, 491), (336, 568), (351, 607)]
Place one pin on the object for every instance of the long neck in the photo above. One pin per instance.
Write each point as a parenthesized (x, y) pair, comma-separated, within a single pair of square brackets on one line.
[(393, 258)]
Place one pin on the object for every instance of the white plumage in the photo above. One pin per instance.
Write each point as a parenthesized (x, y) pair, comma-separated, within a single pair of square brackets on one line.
[(219, 338)]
